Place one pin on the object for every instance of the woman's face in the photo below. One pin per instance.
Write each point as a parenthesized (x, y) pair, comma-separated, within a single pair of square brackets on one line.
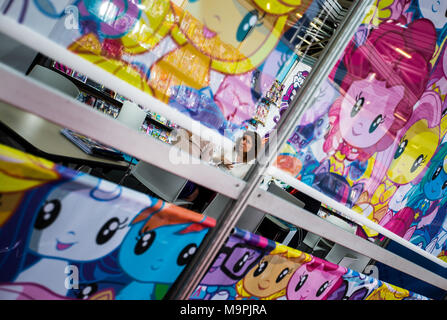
[(246, 144)]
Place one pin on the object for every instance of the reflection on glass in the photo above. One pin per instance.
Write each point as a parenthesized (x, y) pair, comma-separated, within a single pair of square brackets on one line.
[(382, 149)]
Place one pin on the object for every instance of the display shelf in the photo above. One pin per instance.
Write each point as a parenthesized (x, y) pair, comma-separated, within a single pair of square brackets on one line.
[(32, 96), (84, 87), (285, 210), (354, 216)]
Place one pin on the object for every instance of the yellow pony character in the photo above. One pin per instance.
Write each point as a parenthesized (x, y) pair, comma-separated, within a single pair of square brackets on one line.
[(230, 37), (20, 172), (388, 292), (268, 280)]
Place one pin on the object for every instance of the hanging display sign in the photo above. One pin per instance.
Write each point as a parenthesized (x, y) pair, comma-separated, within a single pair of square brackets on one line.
[(251, 267), (375, 138), (69, 235)]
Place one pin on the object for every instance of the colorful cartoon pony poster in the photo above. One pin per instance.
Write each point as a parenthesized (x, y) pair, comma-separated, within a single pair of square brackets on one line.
[(69, 235), (210, 60), (251, 267), (375, 139)]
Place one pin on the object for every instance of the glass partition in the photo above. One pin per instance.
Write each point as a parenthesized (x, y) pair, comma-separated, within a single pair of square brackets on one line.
[(374, 139), (215, 63)]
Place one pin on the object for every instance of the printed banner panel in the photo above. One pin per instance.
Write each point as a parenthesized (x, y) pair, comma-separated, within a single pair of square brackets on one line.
[(375, 138), (69, 235), (251, 267), (212, 61)]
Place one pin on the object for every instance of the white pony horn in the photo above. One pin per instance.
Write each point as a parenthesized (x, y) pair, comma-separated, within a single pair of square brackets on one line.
[(106, 190)]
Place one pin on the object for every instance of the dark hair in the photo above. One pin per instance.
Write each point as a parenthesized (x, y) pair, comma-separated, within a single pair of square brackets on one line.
[(257, 145)]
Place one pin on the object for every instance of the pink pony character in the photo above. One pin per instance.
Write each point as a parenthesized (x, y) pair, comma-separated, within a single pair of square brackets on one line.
[(438, 79), (385, 77), (404, 162), (315, 280)]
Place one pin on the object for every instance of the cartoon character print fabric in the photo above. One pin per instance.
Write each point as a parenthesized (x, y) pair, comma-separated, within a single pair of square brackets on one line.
[(381, 151), (250, 267), (226, 54), (69, 235)]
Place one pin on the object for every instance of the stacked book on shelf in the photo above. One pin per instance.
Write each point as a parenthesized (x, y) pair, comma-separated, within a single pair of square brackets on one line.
[(91, 146), (159, 128)]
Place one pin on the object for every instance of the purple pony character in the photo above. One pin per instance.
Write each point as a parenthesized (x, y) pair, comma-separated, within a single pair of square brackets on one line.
[(235, 259)]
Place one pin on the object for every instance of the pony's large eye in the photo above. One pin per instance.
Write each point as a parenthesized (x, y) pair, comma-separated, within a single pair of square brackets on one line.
[(323, 287), (375, 124), (87, 291), (247, 24), (444, 185), (48, 214), (186, 254), (303, 279), (261, 268), (401, 148), (107, 231), (144, 242), (417, 163), (283, 273), (436, 173), (241, 262), (357, 106)]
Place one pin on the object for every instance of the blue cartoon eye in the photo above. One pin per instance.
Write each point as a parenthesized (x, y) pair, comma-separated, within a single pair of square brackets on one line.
[(144, 242), (301, 282), (247, 24), (444, 185), (186, 254), (401, 148), (48, 214), (323, 287), (375, 124), (320, 122), (47, 8)]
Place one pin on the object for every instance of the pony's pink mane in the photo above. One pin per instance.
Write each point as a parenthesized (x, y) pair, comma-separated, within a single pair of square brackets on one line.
[(382, 55)]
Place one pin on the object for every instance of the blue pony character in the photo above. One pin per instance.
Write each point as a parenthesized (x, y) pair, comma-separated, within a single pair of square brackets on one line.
[(161, 242), (428, 200), (427, 197)]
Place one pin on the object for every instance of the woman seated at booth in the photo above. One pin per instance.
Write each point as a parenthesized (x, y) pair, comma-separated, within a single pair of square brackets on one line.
[(237, 162)]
